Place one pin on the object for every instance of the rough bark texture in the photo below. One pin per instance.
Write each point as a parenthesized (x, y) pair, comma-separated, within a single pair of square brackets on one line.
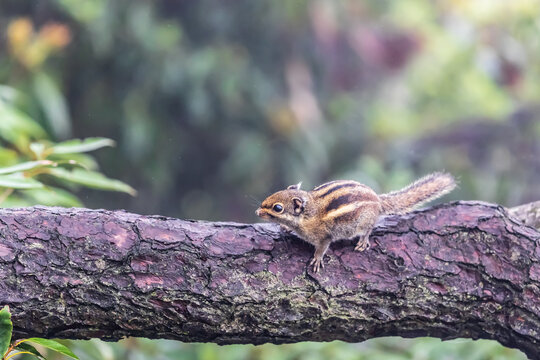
[(464, 269)]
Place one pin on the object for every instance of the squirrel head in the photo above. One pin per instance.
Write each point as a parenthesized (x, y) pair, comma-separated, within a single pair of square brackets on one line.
[(285, 206)]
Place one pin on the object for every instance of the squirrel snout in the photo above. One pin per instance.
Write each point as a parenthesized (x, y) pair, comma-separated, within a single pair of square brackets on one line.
[(260, 212)]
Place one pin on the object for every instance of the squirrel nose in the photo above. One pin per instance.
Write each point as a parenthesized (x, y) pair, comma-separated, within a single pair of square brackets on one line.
[(258, 212)]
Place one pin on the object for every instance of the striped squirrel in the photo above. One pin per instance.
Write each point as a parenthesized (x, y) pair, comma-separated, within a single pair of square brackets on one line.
[(345, 209)]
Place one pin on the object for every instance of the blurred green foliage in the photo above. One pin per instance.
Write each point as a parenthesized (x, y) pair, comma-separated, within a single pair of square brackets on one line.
[(10, 348), (215, 103), (32, 167), (389, 348)]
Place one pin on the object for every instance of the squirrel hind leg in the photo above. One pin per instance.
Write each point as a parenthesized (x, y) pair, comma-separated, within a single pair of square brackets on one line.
[(364, 229), (363, 242)]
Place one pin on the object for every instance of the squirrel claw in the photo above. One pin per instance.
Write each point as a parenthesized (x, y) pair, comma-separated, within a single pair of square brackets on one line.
[(363, 244), (317, 264), (285, 230)]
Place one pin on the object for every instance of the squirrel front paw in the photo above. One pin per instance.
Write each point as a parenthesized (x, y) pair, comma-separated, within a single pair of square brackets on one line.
[(317, 263), (285, 230)]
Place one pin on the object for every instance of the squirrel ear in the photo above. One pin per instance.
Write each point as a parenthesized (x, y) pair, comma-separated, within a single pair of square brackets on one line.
[(294, 187), (298, 205)]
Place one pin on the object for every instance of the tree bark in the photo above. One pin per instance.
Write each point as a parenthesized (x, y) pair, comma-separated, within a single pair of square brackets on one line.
[(464, 269)]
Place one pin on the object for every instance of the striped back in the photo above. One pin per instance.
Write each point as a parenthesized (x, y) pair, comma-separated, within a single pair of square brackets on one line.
[(342, 198)]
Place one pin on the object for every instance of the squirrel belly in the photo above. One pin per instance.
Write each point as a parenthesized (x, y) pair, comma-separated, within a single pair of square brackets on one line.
[(344, 209)]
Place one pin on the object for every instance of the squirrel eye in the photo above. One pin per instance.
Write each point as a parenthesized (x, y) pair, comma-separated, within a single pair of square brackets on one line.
[(277, 208)]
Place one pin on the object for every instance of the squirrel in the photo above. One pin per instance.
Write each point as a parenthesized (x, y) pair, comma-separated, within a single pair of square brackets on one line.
[(345, 209)]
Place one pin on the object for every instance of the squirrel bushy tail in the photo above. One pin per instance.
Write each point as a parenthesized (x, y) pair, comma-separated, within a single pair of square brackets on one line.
[(422, 190)]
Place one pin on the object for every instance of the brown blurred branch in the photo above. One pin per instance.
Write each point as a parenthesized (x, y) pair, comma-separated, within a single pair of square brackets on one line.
[(464, 269)]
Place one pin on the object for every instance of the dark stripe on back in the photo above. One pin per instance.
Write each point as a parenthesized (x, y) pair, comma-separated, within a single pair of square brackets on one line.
[(339, 201), (349, 199), (322, 186), (337, 187)]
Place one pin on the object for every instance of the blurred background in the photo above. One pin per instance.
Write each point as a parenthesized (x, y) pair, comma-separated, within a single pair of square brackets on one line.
[(215, 104)]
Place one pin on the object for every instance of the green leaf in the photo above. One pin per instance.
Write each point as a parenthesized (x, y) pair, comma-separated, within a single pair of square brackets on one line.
[(17, 181), (53, 104), (6, 328), (8, 156), (29, 165), (84, 160), (38, 148), (53, 345), (14, 201), (52, 196), (29, 348), (92, 179), (18, 128), (78, 146)]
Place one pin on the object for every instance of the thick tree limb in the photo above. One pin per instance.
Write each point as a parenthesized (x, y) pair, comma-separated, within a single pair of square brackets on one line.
[(465, 269)]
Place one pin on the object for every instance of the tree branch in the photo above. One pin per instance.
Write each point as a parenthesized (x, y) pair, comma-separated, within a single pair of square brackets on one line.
[(464, 269)]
